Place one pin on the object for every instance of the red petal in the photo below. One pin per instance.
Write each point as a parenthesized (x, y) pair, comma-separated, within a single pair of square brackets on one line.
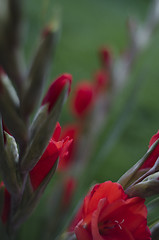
[(154, 139), (109, 190), (82, 233), (95, 219), (72, 132), (57, 132), (45, 163)]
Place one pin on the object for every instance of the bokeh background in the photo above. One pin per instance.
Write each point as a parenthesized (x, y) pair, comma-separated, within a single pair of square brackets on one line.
[(86, 25)]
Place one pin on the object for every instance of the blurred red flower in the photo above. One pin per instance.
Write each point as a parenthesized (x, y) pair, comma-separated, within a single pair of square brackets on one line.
[(69, 188), (83, 99), (107, 213), (101, 81), (150, 161)]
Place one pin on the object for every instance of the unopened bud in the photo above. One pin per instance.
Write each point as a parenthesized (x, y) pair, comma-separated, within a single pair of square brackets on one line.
[(56, 89), (146, 188)]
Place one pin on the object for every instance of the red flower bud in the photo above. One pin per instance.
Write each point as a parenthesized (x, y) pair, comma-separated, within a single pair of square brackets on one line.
[(83, 99), (108, 213), (49, 157), (150, 161), (56, 89)]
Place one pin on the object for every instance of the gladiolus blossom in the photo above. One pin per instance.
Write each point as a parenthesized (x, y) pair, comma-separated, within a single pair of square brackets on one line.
[(108, 213)]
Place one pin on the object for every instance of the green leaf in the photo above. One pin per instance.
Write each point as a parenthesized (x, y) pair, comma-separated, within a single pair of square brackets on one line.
[(153, 211)]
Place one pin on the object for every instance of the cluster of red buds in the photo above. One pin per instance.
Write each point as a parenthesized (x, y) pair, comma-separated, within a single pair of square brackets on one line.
[(31, 141)]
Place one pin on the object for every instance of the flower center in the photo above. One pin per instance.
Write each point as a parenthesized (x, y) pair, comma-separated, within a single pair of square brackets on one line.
[(106, 226)]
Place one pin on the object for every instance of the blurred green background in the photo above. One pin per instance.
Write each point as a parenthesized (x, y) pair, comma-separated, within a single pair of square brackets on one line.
[(134, 118)]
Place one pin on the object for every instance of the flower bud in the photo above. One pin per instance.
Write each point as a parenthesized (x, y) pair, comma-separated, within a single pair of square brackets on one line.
[(42, 131), (137, 170), (56, 89), (39, 70), (150, 161), (146, 188), (10, 38)]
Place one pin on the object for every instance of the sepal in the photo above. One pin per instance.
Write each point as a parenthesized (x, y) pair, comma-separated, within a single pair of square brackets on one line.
[(42, 135), (8, 168), (39, 69), (146, 188), (9, 106), (26, 208)]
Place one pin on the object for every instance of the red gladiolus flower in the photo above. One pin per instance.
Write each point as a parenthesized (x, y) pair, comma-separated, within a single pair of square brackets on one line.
[(6, 205), (49, 157), (101, 81), (56, 89), (71, 131), (150, 161), (69, 188), (108, 214), (83, 99)]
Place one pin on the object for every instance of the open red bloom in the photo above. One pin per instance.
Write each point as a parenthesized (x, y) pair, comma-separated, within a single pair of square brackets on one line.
[(56, 89), (83, 99), (49, 157), (71, 131), (108, 214), (150, 161)]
